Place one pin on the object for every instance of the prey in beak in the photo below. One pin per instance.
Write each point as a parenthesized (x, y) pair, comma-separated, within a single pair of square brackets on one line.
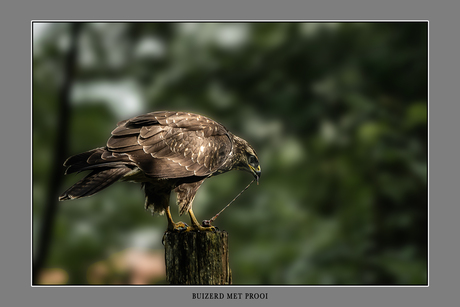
[(254, 167), (257, 172)]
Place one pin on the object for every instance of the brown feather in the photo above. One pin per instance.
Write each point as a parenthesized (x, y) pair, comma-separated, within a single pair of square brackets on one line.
[(163, 150), (117, 142), (147, 132), (185, 194), (123, 130), (94, 182)]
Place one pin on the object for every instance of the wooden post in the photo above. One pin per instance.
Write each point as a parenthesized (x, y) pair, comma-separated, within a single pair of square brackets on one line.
[(197, 258)]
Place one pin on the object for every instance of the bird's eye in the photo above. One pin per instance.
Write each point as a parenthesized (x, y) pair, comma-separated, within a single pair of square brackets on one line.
[(252, 160)]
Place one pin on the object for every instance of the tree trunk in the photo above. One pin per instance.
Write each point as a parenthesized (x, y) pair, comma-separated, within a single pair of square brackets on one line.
[(59, 155), (197, 258)]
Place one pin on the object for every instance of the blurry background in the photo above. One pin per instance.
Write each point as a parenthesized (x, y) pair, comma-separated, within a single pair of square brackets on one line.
[(336, 112)]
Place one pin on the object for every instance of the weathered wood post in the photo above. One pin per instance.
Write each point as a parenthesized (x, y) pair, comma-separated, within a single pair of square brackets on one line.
[(197, 258)]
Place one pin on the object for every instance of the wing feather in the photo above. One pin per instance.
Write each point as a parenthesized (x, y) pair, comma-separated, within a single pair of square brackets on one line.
[(193, 167), (122, 141), (151, 140), (171, 144), (147, 132), (123, 130)]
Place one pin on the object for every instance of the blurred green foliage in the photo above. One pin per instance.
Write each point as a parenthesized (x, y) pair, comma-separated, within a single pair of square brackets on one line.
[(336, 112)]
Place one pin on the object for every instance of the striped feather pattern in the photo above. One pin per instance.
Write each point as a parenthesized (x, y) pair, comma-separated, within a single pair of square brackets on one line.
[(181, 144), (164, 151)]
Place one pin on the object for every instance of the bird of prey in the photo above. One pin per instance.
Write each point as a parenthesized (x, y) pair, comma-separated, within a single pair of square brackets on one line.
[(164, 151)]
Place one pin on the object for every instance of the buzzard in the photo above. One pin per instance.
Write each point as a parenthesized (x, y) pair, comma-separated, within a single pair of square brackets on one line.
[(164, 151)]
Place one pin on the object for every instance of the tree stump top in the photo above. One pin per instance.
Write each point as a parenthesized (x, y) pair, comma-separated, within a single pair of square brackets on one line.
[(197, 258)]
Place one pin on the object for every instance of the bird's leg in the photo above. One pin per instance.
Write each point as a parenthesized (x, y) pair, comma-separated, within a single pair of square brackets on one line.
[(179, 226), (196, 225)]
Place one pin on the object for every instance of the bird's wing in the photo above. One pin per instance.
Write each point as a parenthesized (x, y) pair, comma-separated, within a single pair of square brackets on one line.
[(172, 144)]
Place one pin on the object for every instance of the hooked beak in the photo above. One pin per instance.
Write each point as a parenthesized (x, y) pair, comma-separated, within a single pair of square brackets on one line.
[(257, 172)]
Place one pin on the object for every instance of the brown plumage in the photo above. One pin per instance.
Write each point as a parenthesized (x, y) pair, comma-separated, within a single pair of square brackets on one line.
[(164, 151)]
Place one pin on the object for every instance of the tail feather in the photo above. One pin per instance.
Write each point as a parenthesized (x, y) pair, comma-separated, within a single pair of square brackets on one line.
[(78, 162), (97, 180), (94, 159)]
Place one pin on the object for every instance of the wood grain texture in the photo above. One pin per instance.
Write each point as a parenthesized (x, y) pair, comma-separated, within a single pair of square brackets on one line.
[(197, 258)]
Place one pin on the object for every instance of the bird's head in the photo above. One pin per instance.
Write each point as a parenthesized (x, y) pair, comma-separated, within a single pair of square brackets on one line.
[(246, 158)]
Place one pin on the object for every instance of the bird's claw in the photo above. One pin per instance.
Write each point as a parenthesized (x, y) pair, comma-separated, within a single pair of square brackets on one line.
[(178, 227), (182, 227), (206, 223), (206, 226)]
